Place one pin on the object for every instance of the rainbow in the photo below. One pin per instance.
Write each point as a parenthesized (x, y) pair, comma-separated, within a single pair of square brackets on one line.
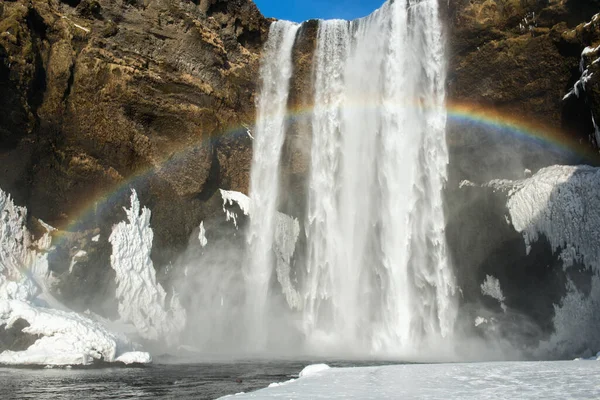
[(489, 120)]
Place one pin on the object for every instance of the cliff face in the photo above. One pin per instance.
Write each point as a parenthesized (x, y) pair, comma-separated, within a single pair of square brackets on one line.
[(518, 59), (97, 96), (95, 92)]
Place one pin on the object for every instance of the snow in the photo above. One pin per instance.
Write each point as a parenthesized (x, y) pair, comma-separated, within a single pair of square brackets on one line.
[(287, 230), (96, 238), (561, 203), (313, 369), (135, 357), (202, 235), (77, 257), (491, 287), (65, 337), (481, 381), (142, 300), (232, 198)]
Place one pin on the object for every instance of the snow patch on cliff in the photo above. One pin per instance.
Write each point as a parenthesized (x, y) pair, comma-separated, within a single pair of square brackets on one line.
[(202, 235), (231, 199), (561, 203), (142, 300), (491, 287)]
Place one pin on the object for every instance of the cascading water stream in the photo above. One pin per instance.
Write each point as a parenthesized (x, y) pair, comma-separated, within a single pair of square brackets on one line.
[(275, 73), (376, 276)]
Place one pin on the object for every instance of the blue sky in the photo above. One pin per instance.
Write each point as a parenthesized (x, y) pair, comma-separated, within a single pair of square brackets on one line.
[(301, 10)]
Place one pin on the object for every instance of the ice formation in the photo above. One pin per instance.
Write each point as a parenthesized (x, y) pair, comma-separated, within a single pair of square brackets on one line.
[(77, 257), (65, 337), (202, 235), (491, 287), (142, 300), (561, 203), (376, 276), (231, 198)]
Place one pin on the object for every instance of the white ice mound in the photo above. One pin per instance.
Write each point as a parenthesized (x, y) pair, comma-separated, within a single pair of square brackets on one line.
[(65, 337), (313, 370), (135, 357), (142, 300)]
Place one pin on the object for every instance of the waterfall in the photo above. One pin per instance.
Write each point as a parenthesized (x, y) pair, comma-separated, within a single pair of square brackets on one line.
[(376, 276), (275, 73)]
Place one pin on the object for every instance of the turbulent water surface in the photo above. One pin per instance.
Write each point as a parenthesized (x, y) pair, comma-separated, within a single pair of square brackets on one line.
[(181, 381)]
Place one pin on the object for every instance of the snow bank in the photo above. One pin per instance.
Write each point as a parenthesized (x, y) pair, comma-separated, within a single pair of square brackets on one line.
[(65, 337), (489, 381), (491, 287), (142, 300)]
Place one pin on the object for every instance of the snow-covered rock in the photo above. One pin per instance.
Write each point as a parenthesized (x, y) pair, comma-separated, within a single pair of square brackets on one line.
[(561, 203), (67, 338), (134, 357), (63, 337), (142, 300)]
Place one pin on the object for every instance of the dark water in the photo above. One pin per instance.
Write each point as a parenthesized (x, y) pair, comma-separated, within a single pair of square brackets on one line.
[(169, 381)]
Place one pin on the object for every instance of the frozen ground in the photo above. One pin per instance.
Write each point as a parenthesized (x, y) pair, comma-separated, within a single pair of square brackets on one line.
[(484, 381)]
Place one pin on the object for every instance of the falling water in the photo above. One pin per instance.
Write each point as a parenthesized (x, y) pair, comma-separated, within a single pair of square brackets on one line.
[(376, 277), (275, 73)]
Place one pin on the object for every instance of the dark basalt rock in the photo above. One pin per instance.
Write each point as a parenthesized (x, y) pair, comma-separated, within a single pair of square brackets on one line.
[(14, 339)]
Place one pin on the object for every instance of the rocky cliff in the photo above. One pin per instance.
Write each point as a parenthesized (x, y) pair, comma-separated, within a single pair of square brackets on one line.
[(100, 96)]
